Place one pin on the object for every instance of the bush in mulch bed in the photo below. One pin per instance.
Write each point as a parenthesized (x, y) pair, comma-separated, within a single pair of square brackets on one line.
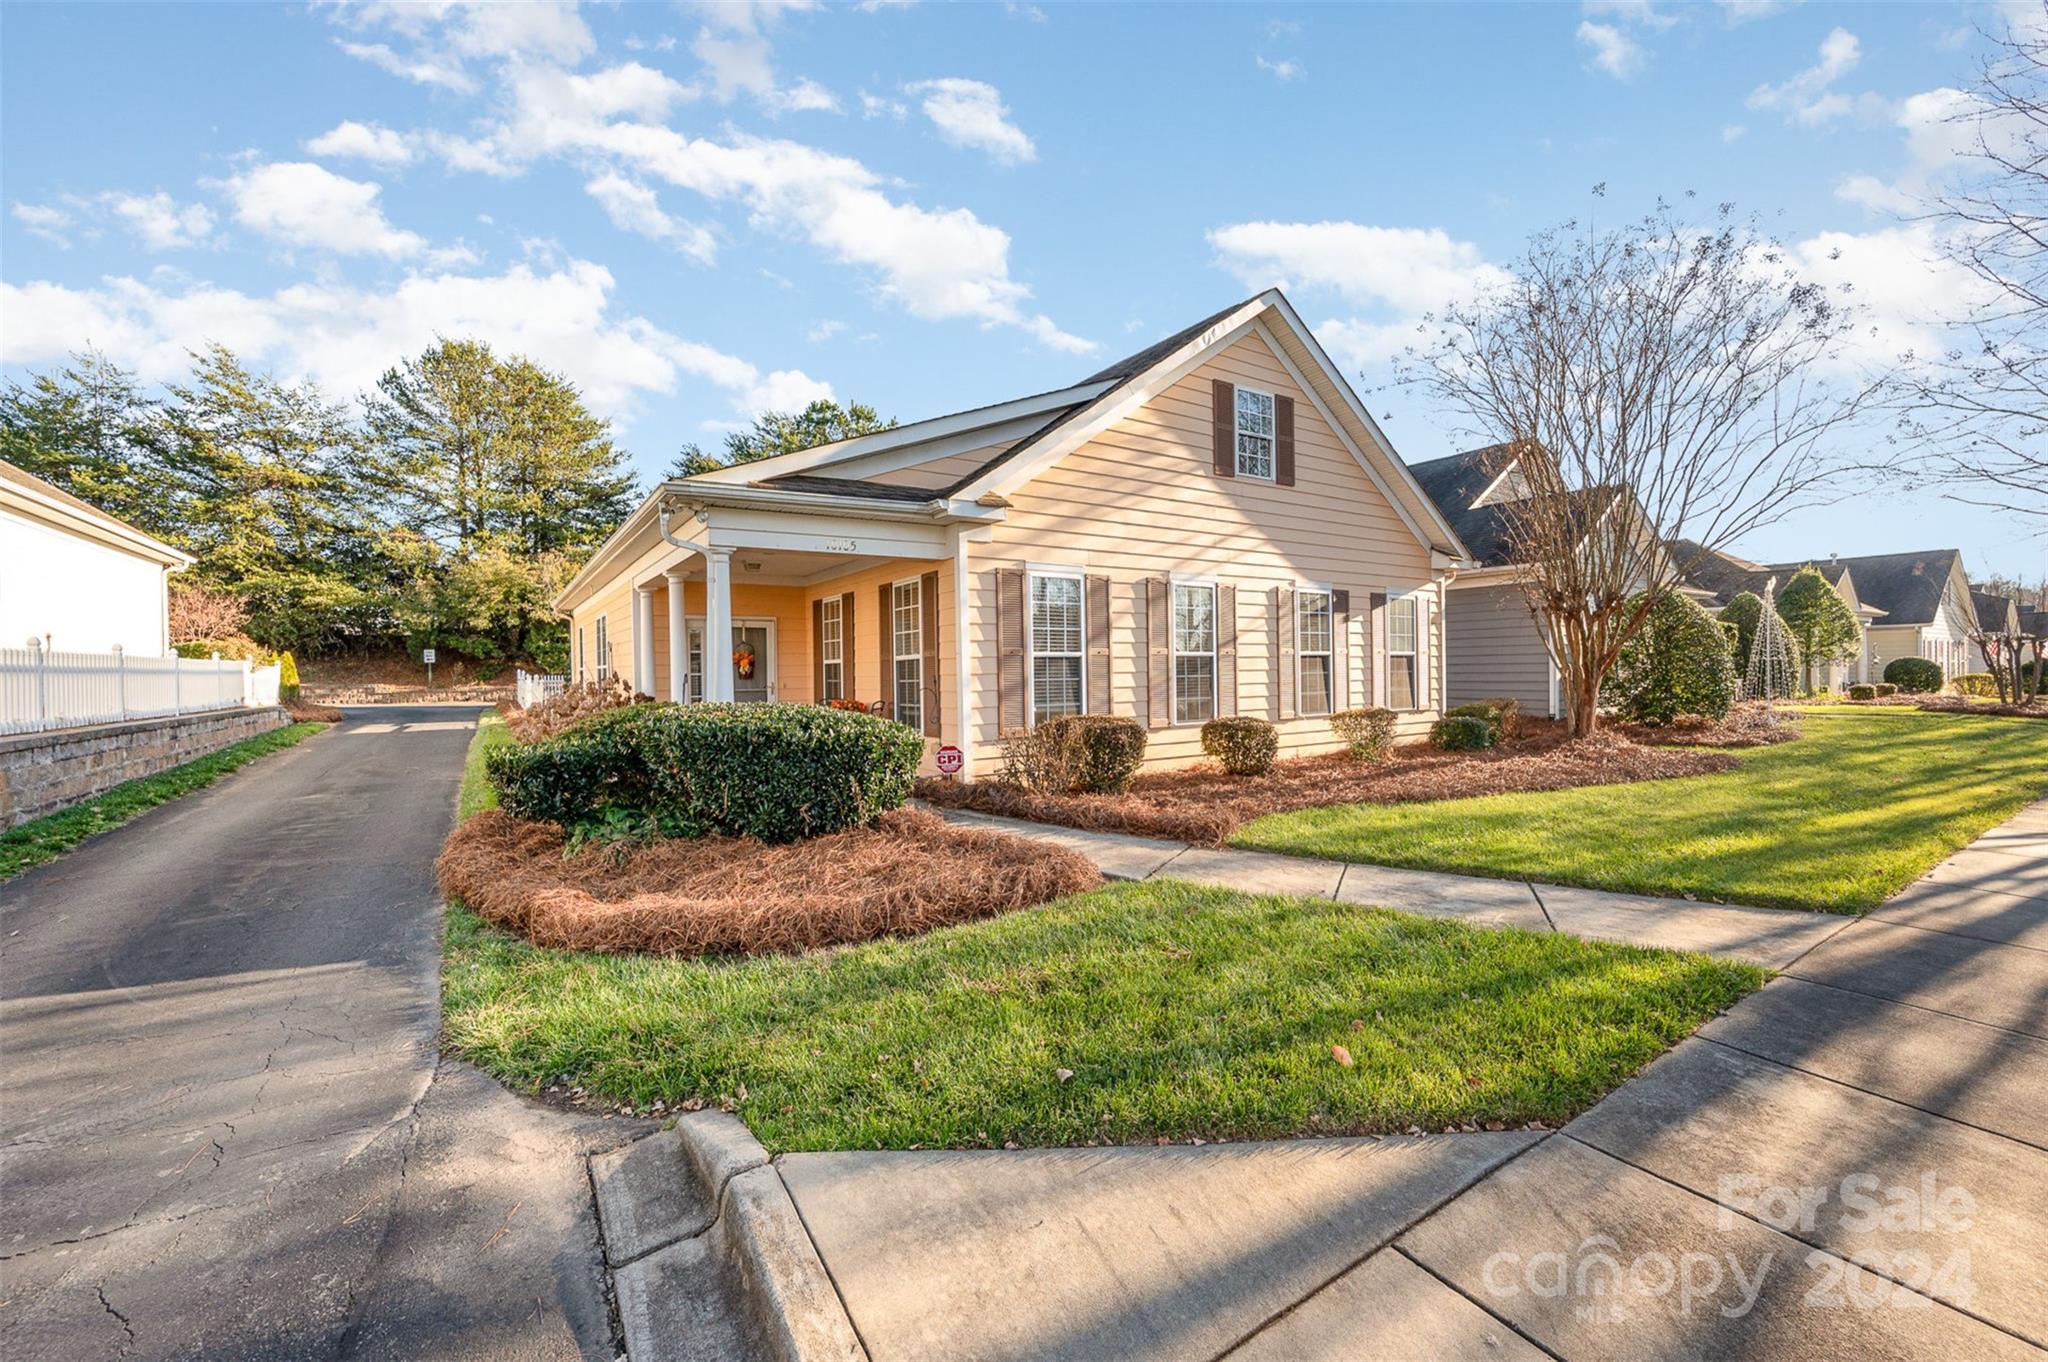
[(906, 873), (1749, 724), (1204, 804)]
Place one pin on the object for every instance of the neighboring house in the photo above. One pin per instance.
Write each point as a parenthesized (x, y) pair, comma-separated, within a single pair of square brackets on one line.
[(1716, 578), (1995, 614), (75, 578), (1214, 525)]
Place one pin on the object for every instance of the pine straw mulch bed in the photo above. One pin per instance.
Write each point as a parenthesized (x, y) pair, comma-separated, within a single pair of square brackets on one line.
[(909, 872), (1747, 725), (302, 713), (1204, 804)]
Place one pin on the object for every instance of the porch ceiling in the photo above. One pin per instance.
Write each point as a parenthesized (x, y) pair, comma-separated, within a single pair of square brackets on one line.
[(781, 567)]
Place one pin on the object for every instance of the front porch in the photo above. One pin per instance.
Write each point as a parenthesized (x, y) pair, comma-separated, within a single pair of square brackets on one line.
[(813, 608)]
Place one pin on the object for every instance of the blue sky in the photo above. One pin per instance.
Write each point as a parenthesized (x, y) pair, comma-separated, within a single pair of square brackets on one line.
[(696, 211)]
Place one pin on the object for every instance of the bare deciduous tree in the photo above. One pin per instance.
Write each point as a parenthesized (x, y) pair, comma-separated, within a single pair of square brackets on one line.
[(199, 612), (1975, 422), (1654, 382)]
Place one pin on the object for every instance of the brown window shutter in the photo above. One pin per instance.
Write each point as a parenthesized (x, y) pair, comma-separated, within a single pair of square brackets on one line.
[(1099, 697), (1283, 645), (818, 652), (1283, 441), (1010, 658), (1223, 433), (928, 611), (1340, 626), (885, 634), (1159, 653), (1376, 648), (848, 683), (1226, 650)]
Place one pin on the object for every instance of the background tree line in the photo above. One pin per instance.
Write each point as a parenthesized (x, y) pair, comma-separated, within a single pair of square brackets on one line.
[(443, 508)]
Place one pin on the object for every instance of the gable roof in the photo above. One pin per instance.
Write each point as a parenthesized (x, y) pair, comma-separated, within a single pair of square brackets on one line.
[(1727, 576), (1993, 611), (1908, 587), (1454, 483), (1051, 424), (47, 501)]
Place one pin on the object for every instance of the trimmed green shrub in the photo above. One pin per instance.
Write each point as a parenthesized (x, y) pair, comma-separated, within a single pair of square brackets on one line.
[(287, 676), (1884, 688), (1095, 753), (1246, 746), (774, 772), (1863, 692), (1975, 683), (1461, 733), (1913, 675), (1677, 663), (1368, 732), (1503, 716), (1821, 621)]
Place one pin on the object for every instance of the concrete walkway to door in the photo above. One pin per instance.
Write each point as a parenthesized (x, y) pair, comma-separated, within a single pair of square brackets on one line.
[(1853, 1162)]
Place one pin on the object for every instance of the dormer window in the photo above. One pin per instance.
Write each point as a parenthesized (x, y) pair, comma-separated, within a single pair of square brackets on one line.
[(1254, 434)]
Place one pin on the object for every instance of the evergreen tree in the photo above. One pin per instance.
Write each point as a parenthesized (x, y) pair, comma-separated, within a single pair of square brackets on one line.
[(1819, 620), (90, 430), (823, 422)]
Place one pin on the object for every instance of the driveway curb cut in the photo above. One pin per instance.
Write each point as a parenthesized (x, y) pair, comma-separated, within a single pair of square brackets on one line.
[(754, 1258)]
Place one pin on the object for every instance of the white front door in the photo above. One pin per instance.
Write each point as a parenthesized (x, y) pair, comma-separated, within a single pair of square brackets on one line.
[(753, 661)]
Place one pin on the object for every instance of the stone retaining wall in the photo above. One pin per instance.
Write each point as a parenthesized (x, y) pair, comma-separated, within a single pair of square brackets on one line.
[(41, 773), (404, 695)]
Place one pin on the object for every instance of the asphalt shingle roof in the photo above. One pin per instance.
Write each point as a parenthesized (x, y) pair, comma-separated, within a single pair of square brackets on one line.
[(1452, 482)]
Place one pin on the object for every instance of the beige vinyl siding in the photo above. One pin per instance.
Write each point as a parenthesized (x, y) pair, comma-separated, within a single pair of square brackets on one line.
[(1140, 501), (1496, 648)]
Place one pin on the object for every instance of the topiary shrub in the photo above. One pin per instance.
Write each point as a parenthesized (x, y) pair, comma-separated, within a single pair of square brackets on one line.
[(1677, 662), (1246, 746), (1461, 733), (1913, 675), (1862, 692), (1884, 688), (774, 772), (1368, 732), (1975, 683), (1096, 753), (287, 676)]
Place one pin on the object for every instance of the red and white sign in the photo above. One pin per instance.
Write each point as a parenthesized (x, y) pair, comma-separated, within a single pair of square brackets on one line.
[(949, 760)]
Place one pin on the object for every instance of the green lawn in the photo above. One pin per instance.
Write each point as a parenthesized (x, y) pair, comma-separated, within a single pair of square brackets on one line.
[(46, 838), (1180, 1011), (1838, 821)]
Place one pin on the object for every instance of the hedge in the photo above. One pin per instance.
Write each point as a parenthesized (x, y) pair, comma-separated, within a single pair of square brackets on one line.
[(1862, 692), (1677, 663), (1094, 753), (1246, 746), (1368, 732), (1503, 717), (1975, 683), (1913, 675), (774, 772), (1461, 733)]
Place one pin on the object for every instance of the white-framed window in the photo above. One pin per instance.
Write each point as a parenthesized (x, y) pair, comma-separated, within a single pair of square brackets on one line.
[(695, 645), (1254, 434), (1194, 652), (906, 610), (1315, 652), (832, 647), (604, 651), (582, 658), (1056, 632), (1403, 678)]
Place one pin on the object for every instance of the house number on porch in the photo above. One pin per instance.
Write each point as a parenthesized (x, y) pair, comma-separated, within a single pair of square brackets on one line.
[(842, 546)]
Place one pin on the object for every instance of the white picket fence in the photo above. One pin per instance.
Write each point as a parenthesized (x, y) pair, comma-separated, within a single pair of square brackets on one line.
[(534, 688), (44, 689)]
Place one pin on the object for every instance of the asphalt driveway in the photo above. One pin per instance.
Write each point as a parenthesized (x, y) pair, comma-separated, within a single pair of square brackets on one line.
[(225, 1129)]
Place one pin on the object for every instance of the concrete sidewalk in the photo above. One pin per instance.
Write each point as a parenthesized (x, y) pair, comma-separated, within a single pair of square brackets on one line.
[(1771, 937), (1851, 1162)]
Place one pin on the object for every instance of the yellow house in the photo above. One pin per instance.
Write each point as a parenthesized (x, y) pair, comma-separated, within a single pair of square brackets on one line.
[(1212, 526)]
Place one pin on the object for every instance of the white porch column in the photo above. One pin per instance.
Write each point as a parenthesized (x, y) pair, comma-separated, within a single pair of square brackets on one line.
[(963, 679), (643, 638), (678, 639), (718, 676)]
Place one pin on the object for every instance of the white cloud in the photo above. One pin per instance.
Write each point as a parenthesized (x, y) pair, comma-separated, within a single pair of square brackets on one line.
[(1938, 135), (633, 207), (971, 114), (824, 331), (806, 96), (1283, 70), (479, 155), (302, 204), (1733, 132), (738, 58), (1614, 52), (1807, 98), (418, 70), (1899, 278), (1746, 11), (345, 337), (1396, 273), (160, 222), (876, 106), (371, 142), (43, 220), (1643, 12)]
